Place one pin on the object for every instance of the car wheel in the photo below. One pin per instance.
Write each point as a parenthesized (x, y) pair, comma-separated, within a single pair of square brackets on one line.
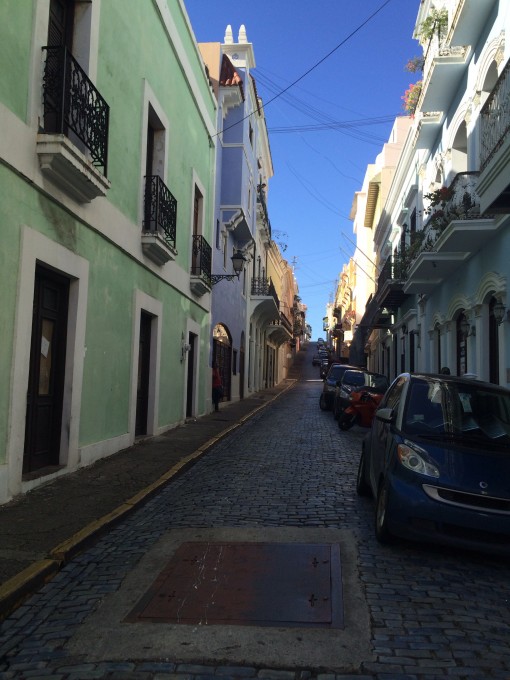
[(382, 533), (346, 421), (362, 487), (322, 403)]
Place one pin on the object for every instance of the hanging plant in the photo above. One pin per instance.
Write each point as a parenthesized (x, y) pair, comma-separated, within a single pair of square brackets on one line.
[(411, 97), (415, 64)]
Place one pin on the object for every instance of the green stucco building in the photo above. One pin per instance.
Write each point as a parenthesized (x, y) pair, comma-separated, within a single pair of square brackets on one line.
[(107, 159)]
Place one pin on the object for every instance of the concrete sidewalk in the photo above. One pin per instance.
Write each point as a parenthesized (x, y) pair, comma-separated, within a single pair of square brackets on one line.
[(44, 529)]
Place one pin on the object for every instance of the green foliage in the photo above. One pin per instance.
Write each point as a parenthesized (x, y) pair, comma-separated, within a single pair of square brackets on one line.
[(435, 24), (411, 97)]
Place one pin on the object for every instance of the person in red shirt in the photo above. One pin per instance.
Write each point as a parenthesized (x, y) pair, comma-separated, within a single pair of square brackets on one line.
[(217, 387)]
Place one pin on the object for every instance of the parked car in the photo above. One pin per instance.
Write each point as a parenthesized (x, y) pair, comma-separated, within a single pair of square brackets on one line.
[(324, 368), (437, 461), (356, 379), (333, 376), (316, 359)]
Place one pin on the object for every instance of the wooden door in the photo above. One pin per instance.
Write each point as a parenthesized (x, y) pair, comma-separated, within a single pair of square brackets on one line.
[(144, 361), (47, 371)]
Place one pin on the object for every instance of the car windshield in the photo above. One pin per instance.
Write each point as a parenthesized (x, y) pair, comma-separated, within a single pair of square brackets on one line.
[(377, 383), (474, 412), (336, 372)]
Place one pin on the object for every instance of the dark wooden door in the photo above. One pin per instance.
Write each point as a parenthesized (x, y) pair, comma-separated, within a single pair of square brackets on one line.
[(241, 373), (493, 345), (191, 375), (144, 362), (47, 371), (60, 24)]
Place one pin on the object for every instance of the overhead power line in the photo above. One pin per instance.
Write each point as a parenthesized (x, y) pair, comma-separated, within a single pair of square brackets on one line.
[(317, 64)]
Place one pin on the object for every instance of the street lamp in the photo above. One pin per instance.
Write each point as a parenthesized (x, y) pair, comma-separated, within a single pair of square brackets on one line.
[(466, 329), (238, 260), (499, 312)]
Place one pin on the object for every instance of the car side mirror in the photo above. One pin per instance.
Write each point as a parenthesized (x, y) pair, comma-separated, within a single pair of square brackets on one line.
[(387, 415)]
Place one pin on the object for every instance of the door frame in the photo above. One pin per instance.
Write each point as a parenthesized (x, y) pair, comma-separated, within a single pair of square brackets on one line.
[(35, 247), (48, 405), (153, 307)]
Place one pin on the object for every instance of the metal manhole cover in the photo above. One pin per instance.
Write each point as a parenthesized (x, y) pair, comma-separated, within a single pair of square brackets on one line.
[(257, 584)]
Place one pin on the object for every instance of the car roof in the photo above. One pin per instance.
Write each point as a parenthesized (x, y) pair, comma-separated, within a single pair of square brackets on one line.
[(462, 380), (367, 372)]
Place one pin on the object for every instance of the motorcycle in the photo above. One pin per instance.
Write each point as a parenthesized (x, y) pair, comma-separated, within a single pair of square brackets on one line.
[(361, 410)]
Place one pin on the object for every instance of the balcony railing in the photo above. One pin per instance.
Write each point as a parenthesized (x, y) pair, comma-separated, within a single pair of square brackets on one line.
[(283, 322), (73, 106), (261, 200), (495, 118), (201, 259), (160, 210), (394, 269), (261, 286)]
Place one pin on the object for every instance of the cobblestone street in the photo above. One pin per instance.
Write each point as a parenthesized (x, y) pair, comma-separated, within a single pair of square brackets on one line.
[(432, 612)]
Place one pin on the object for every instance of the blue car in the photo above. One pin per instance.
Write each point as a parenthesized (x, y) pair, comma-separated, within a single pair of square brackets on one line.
[(437, 462)]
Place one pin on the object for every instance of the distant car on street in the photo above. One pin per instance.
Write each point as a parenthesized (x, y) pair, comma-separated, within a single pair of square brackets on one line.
[(333, 377), (437, 461)]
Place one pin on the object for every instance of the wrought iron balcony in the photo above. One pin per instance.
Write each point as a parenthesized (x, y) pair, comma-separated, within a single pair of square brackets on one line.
[(261, 286), (280, 330), (160, 221), (73, 106), (495, 118), (200, 266), (160, 210), (264, 298), (261, 203), (390, 281), (454, 232)]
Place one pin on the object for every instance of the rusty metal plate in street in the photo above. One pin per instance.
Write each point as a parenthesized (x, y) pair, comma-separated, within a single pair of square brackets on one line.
[(257, 584)]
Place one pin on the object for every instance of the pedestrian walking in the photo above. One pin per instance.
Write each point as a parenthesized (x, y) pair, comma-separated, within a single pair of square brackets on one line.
[(217, 387)]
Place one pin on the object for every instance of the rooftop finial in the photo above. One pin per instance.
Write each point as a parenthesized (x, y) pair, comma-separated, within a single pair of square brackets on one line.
[(229, 38), (242, 37)]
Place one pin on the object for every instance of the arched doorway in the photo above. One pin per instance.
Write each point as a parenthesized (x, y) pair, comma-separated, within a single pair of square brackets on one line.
[(222, 355)]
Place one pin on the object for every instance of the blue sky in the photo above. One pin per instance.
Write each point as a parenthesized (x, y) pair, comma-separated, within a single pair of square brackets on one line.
[(360, 86)]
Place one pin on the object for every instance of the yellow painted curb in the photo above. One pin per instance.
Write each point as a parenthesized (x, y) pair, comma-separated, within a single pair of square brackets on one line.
[(72, 545), (14, 591)]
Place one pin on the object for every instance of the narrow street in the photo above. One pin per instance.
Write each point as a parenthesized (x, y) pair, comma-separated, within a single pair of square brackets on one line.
[(286, 477)]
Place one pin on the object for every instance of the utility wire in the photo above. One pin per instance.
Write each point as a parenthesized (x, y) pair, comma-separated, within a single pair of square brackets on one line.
[(312, 68)]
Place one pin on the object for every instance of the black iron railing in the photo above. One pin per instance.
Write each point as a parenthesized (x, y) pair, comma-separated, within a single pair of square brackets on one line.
[(261, 199), (394, 269), (201, 259), (260, 285), (160, 210), (73, 106), (495, 118), (284, 322), (263, 286)]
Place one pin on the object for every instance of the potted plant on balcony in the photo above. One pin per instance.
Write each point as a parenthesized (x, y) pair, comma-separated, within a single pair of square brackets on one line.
[(415, 64), (400, 264), (439, 208), (411, 97), (436, 23)]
